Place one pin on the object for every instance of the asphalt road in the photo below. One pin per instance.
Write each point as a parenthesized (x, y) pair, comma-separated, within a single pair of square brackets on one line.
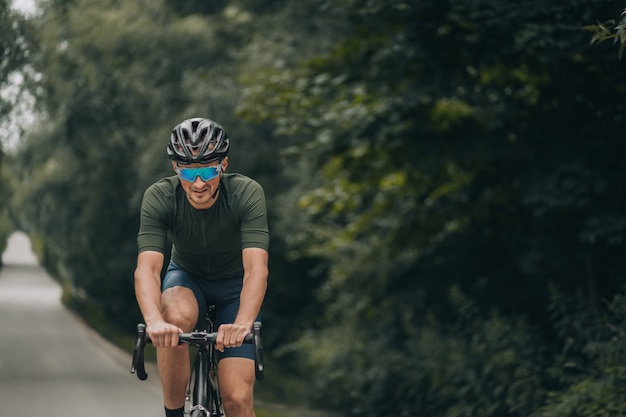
[(50, 363)]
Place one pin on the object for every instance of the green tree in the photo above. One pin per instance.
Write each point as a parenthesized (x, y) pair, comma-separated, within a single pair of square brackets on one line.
[(443, 144), (15, 44), (112, 85), (434, 170), (15, 41), (115, 78)]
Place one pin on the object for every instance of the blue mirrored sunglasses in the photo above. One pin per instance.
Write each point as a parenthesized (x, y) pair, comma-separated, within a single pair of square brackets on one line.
[(205, 173)]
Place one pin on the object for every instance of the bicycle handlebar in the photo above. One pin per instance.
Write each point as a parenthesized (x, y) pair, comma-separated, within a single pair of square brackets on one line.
[(201, 338)]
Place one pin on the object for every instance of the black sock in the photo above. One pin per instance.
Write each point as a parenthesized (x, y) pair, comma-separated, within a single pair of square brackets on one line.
[(174, 413)]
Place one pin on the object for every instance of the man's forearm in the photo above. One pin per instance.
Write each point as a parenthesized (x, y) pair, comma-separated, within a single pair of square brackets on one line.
[(251, 299), (148, 295)]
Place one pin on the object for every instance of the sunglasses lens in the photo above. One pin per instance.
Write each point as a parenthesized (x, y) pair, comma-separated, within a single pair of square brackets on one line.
[(209, 173), (205, 173), (186, 174)]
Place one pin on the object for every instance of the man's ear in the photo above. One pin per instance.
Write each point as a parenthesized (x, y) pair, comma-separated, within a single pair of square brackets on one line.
[(224, 163), (174, 166)]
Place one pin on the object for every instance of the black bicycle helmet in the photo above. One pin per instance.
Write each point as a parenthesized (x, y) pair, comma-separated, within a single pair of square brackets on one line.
[(198, 140)]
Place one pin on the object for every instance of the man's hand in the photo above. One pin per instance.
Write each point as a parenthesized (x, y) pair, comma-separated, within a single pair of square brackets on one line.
[(230, 335), (163, 334)]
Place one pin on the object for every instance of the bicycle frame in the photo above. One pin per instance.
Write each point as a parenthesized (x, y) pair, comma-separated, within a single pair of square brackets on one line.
[(205, 400)]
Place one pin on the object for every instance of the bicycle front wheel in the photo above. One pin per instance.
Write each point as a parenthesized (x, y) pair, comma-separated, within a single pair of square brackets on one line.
[(214, 395)]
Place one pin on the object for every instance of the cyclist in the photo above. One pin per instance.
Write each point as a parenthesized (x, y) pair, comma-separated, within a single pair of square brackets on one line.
[(217, 224)]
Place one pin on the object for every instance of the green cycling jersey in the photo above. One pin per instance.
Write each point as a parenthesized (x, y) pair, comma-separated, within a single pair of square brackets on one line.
[(206, 243)]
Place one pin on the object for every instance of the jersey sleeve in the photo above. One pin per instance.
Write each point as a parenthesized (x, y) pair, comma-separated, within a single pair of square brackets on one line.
[(153, 222), (254, 229)]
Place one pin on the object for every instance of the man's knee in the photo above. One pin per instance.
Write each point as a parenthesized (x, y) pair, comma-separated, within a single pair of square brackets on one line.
[(237, 400), (179, 307)]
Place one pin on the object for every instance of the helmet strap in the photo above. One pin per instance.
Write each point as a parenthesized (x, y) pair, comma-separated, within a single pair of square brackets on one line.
[(216, 190)]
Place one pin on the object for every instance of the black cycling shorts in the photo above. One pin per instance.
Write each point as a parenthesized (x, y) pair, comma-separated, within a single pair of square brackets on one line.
[(223, 294)]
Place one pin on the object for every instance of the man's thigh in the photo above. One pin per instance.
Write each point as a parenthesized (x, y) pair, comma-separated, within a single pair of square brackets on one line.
[(236, 375), (182, 296)]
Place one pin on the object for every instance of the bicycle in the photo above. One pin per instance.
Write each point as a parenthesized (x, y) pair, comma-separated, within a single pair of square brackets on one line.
[(203, 396)]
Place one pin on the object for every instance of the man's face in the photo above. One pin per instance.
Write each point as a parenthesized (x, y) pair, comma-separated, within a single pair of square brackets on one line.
[(200, 192)]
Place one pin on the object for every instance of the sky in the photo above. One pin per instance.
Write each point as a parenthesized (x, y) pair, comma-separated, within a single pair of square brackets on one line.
[(24, 6)]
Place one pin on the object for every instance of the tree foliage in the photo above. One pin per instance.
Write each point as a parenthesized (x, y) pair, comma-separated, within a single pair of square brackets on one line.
[(115, 78), (15, 43), (593, 359), (443, 180), (469, 144), (95, 152), (15, 47)]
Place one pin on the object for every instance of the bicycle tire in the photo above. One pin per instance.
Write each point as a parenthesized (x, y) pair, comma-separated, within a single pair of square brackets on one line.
[(205, 399), (201, 386), (215, 399)]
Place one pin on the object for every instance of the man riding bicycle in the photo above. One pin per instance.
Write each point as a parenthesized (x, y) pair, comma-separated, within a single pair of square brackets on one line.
[(217, 224)]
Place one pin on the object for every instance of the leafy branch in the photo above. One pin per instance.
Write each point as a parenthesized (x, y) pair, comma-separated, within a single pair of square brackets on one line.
[(610, 30)]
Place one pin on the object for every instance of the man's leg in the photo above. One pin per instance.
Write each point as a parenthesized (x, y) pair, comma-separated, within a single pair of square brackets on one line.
[(181, 309), (236, 379)]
